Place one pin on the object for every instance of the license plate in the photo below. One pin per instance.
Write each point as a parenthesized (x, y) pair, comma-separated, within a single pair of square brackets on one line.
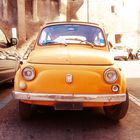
[(68, 106)]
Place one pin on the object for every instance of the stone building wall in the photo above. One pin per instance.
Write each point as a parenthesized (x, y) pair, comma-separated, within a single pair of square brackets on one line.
[(119, 17), (22, 19)]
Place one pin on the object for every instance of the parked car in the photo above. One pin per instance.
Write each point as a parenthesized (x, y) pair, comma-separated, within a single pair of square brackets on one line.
[(119, 52), (8, 58), (70, 68)]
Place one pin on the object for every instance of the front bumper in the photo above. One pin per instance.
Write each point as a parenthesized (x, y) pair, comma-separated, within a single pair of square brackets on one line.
[(70, 97)]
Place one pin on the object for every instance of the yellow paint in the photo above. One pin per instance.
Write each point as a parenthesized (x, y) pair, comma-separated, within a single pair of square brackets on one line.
[(85, 64)]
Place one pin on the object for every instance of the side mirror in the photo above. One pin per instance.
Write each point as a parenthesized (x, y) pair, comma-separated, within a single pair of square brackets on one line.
[(13, 41)]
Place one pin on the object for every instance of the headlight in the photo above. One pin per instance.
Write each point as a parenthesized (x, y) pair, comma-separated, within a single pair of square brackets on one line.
[(110, 75), (28, 73)]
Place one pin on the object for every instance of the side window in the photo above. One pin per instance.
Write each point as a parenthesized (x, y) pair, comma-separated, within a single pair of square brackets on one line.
[(44, 38), (3, 40), (99, 38)]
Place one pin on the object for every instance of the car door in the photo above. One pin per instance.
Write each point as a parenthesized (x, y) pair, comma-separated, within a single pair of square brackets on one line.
[(8, 61)]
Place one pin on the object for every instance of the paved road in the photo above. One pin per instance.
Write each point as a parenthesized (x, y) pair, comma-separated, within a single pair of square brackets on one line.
[(64, 125), (5, 94), (69, 125), (132, 73)]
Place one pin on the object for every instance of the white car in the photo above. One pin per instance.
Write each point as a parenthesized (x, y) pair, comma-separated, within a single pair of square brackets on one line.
[(9, 59), (119, 52)]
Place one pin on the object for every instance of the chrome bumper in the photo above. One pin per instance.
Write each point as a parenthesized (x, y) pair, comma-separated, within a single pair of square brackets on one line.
[(70, 97)]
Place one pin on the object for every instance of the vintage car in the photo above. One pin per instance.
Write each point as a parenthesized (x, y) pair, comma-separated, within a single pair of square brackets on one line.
[(119, 52), (8, 58), (70, 68)]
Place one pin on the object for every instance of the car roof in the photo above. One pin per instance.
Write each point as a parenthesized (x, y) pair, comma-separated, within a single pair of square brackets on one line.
[(73, 22)]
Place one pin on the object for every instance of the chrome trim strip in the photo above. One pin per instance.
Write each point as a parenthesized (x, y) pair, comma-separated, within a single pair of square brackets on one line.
[(70, 97)]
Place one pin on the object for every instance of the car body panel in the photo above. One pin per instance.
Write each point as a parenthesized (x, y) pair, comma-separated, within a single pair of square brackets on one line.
[(75, 69), (8, 59), (70, 55), (55, 76), (7, 70)]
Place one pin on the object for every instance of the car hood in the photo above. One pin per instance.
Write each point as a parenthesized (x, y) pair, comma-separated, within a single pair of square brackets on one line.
[(70, 55)]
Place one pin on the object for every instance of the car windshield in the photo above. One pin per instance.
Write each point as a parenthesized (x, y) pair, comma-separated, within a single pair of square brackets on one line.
[(72, 33)]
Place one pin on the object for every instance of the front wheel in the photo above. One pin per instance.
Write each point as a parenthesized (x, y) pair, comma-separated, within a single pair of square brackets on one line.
[(25, 110), (117, 112)]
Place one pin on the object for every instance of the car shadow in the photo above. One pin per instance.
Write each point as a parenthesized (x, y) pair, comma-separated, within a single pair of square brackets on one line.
[(6, 85), (84, 120), (48, 124)]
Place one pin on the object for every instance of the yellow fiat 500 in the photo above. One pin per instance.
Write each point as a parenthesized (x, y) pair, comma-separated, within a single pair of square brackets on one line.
[(70, 68)]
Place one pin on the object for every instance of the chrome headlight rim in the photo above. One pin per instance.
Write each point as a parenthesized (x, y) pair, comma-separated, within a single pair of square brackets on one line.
[(32, 72), (114, 77)]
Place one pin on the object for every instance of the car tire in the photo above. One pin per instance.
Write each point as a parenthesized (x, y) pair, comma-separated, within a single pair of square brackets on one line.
[(12, 81), (117, 112), (25, 110)]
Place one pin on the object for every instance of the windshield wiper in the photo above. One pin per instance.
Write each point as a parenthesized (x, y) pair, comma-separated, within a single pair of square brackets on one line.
[(56, 43), (77, 39)]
